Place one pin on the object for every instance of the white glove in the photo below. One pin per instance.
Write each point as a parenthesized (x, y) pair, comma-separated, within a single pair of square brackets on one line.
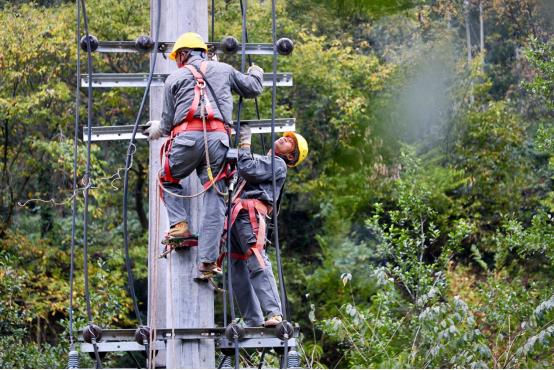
[(245, 136), (153, 130), (255, 68)]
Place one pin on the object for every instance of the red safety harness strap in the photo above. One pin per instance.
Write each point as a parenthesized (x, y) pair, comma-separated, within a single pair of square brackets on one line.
[(257, 213), (199, 93), (190, 123)]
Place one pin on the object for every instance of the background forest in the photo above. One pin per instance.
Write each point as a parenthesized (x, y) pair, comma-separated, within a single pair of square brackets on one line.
[(418, 234)]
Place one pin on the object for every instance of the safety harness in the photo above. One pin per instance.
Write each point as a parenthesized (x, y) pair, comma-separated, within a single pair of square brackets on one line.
[(258, 211), (207, 123)]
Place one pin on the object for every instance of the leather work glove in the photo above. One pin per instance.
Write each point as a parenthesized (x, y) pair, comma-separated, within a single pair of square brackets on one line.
[(153, 130), (245, 136), (256, 68)]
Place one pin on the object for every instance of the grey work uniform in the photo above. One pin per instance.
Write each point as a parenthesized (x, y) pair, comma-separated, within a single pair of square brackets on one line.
[(253, 285), (187, 152)]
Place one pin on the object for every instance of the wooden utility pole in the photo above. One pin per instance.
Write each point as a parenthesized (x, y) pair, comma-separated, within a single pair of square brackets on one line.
[(174, 299)]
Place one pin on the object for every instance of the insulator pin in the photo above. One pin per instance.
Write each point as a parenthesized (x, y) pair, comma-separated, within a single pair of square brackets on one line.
[(229, 45), (284, 46), (91, 332), (144, 43), (142, 334), (284, 330), (234, 331), (93, 43)]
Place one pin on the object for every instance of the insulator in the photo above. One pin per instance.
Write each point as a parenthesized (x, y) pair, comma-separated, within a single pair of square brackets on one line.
[(284, 330), (144, 43), (234, 330), (293, 360), (93, 43), (226, 362), (142, 334), (73, 360), (284, 46), (92, 331), (229, 45)]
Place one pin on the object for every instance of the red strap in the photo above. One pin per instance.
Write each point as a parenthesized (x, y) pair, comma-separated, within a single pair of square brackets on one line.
[(256, 209), (199, 92)]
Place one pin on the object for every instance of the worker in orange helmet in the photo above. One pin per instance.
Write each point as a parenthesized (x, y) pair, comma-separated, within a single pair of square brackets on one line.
[(253, 281), (197, 107)]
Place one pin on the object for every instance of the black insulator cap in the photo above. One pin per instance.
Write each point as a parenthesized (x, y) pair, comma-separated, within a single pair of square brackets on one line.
[(284, 46), (142, 334), (144, 43), (92, 331), (229, 45), (284, 330), (233, 331), (93, 43)]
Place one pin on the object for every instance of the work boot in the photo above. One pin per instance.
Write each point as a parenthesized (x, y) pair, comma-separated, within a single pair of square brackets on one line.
[(208, 271), (178, 233), (273, 321), (210, 268)]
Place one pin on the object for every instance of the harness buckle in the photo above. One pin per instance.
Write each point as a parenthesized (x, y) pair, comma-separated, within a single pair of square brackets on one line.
[(201, 83)]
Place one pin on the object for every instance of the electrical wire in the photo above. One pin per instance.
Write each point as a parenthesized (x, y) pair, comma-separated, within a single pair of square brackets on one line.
[(74, 201), (128, 164), (250, 64), (87, 183), (273, 180)]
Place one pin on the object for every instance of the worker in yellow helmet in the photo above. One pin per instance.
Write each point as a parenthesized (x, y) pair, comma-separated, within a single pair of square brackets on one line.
[(197, 109), (253, 281)]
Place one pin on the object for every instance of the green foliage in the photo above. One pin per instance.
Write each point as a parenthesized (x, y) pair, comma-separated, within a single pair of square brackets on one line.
[(417, 234), (541, 57)]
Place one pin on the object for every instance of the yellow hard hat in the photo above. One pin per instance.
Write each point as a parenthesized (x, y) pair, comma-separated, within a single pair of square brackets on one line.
[(301, 147), (189, 40)]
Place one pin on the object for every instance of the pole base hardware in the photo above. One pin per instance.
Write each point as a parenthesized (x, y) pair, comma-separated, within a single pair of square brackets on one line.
[(284, 330), (142, 335), (234, 331), (92, 332)]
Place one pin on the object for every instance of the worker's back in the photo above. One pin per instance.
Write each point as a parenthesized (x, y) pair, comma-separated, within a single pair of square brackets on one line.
[(221, 77)]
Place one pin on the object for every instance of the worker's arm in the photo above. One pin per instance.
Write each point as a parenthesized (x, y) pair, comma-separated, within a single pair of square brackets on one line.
[(248, 85), (168, 110), (257, 169)]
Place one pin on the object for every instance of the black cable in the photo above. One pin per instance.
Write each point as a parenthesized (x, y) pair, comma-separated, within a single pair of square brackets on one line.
[(88, 181), (130, 152), (135, 359), (245, 31), (229, 275), (74, 200), (213, 21), (261, 364), (273, 181)]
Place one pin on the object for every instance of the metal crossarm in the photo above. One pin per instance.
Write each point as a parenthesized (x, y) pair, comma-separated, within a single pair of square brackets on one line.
[(122, 340), (166, 47), (140, 79), (261, 126)]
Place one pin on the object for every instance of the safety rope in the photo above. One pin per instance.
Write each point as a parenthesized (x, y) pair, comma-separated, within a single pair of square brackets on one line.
[(171, 313), (154, 288), (87, 184), (129, 162), (273, 180)]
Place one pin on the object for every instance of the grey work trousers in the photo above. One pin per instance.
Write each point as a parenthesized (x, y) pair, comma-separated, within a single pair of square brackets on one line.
[(254, 286), (186, 155)]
